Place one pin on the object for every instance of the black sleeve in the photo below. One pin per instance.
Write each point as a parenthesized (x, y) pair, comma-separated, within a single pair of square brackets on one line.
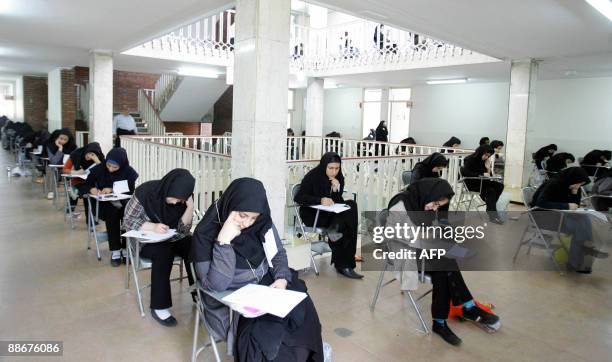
[(470, 169), (417, 174), (306, 195), (548, 199)]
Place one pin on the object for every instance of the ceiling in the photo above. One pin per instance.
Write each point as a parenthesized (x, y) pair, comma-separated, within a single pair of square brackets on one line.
[(568, 35), (39, 35)]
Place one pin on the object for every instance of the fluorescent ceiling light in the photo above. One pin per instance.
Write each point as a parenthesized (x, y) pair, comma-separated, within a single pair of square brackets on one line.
[(198, 72), (603, 6), (447, 81)]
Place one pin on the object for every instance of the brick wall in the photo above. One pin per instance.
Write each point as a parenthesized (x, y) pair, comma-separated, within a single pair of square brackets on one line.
[(125, 88), (222, 113), (68, 99), (187, 128), (35, 101)]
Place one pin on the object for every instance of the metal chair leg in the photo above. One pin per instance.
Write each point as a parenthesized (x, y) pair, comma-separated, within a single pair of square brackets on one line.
[(378, 286), (314, 265), (418, 313), (196, 330), (138, 295)]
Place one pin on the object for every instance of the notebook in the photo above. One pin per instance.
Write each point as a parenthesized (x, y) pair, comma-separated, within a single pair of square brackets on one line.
[(254, 300)]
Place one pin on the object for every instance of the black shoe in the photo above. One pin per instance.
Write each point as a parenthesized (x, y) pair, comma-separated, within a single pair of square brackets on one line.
[(168, 322), (443, 331), (479, 315), (115, 262), (349, 273), (595, 253), (194, 297)]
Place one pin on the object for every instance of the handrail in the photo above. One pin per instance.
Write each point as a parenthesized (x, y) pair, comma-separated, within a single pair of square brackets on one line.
[(149, 114)]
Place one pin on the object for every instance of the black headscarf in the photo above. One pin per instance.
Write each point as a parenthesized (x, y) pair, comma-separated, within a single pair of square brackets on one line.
[(483, 141), (421, 193), (559, 161), (93, 147), (317, 177), (424, 168), (452, 141), (68, 147), (243, 194), (381, 132), (556, 189), (101, 177), (474, 165), (178, 183)]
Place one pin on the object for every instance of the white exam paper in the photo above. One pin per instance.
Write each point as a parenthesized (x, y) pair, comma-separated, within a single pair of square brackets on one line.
[(335, 208), (150, 236), (260, 298), (121, 187), (66, 158)]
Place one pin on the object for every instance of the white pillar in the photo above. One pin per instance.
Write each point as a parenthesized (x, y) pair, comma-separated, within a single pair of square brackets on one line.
[(523, 78), (261, 80), (384, 106), (315, 98), (54, 102), (101, 98)]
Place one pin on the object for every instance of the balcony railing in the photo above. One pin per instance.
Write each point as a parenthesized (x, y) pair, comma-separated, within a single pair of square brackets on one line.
[(374, 179), (355, 47)]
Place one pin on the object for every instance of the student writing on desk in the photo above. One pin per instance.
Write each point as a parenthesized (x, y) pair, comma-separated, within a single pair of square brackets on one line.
[(562, 192), (237, 244), (100, 181), (158, 206), (324, 185), (417, 206), (476, 169)]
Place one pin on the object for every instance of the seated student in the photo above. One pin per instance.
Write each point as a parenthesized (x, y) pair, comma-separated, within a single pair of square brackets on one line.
[(158, 206), (403, 150), (453, 142), (475, 165), (559, 162), (324, 185), (80, 161), (100, 181), (595, 158), (562, 192), (429, 167), (496, 162), (228, 253), (420, 201), (544, 154), (484, 141), (61, 143), (603, 187)]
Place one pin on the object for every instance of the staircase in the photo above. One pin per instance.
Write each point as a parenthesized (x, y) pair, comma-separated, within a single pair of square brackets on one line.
[(152, 101)]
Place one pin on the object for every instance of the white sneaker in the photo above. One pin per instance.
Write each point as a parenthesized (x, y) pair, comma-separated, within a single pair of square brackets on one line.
[(50, 196)]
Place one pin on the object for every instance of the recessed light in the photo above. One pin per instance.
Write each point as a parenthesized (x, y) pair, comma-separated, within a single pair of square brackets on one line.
[(447, 81)]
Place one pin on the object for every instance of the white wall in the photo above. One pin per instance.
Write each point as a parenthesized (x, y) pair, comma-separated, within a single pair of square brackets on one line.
[(17, 81), (342, 112), (193, 98), (54, 82), (466, 111), (297, 120), (575, 114)]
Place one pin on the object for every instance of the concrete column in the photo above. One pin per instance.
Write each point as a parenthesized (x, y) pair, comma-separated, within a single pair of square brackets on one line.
[(315, 98), (101, 98), (523, 78), (54, 94), (384, 106), (261, 80)]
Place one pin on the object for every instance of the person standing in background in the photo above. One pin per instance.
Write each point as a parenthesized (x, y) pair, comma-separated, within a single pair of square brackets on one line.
[(123, 124)]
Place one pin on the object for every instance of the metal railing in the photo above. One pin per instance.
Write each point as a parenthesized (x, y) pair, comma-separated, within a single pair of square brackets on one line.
[(152, 160), (374, 179), (150, 115)]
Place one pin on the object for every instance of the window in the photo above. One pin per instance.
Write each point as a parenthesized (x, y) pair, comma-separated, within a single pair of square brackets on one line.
[(371, 110), (399, 113), (7, 100)]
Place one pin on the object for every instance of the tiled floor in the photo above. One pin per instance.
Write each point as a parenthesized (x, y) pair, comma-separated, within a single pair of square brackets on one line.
[(52, 288)]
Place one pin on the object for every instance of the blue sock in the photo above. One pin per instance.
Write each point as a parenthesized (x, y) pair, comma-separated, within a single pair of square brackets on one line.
[(440, 321), (469, 304)]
